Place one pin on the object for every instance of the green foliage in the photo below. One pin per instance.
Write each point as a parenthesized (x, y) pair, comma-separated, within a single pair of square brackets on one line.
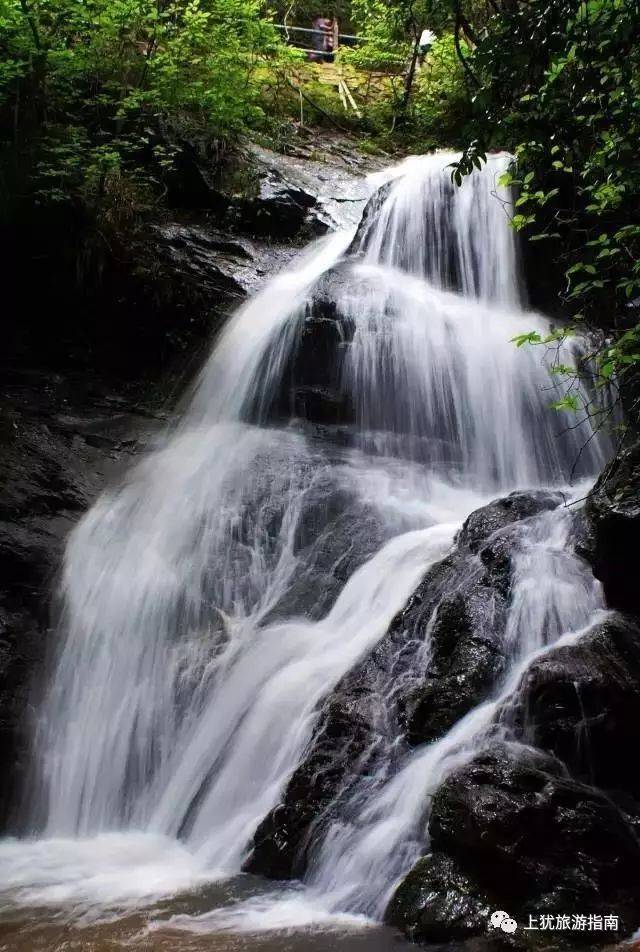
[(427, 103), (386, 44), (302, 12), (96, 95), (439, 105), (559, 84), (86, 84), (390, 29)]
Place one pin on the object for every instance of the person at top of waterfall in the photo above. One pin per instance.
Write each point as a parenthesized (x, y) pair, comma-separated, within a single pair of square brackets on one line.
[(317, 38), (323, 38), (331, 38)]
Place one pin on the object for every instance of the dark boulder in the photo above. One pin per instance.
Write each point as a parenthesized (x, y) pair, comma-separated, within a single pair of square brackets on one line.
[(345, 746), (467, 655), (460, 605), (438, 902), (525, 838), (312, 383), (284, 840), (468, 625), (612, 513), (581, 702), (503, 512), (278, 210), (329, 173)]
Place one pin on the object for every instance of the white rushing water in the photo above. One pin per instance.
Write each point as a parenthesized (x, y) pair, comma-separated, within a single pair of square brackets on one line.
[(216, 597)]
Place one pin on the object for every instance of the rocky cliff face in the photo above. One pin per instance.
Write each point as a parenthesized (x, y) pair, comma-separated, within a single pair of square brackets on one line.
[(545, 817), (103, 337), (547, 823), (61, 439)]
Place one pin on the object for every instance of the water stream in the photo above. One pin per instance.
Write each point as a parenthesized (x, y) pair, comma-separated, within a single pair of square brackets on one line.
[(220, 593)]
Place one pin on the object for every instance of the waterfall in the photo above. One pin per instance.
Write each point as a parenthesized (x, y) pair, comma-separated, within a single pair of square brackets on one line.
[(216, 597)]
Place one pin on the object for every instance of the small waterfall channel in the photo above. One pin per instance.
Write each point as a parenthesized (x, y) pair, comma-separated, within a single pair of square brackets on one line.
[(215, 599)]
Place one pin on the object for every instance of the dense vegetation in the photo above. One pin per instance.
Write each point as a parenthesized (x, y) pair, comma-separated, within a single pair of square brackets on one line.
[(86, 87), (559, 85), (97, 97)]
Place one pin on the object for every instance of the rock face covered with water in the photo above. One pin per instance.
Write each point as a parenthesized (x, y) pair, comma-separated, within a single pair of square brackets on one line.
[(339, 627), (461, 607), (107, 330), (547, 822)]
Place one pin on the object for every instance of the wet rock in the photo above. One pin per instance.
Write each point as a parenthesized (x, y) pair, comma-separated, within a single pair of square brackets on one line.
[(467, 655), (59, 443), (369, 218), (503, 512), (525, 838), (438, 902), (252, 198), (197, 266), (283, 842), (334, 175), (279, 210), (581, 702), (612, 512), (468, 624), (266, 195), (460, 605), (312, 385)]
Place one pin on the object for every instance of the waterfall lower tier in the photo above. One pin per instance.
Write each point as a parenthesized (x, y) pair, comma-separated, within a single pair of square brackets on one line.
[(281, 635)]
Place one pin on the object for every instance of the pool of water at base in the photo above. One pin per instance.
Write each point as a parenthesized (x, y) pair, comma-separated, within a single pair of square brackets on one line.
[(152, 928)]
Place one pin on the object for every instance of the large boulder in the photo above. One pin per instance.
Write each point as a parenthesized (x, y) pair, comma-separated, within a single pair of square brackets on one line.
[(312, 382), (551, 827), (612, 512), (439, 902), (284, 840), (581, 702), (468, 624), (511, 831), (460, 604)]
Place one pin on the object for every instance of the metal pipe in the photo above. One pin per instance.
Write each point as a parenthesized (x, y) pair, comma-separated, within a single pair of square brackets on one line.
[(306, 29)]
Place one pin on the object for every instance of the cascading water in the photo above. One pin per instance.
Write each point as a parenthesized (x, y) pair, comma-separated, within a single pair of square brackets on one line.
[(215, 599)]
